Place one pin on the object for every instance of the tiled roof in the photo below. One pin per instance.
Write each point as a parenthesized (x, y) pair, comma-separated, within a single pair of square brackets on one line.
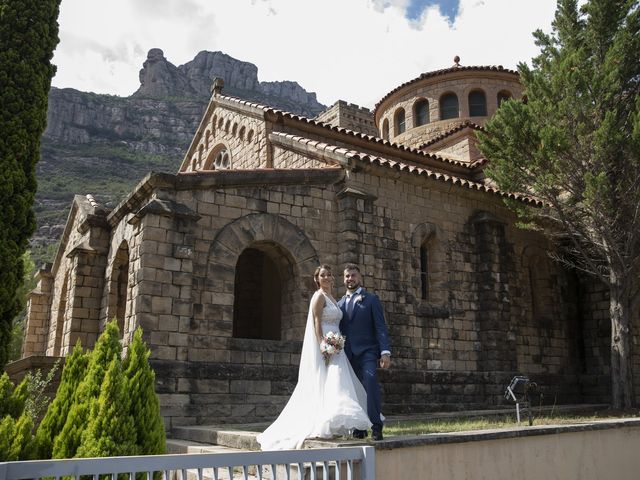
[(346, 131), (444, 71), (403, 167), (451, 131)]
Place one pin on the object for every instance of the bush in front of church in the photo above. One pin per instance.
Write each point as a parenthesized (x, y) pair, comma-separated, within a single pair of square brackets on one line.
[(105, 405)]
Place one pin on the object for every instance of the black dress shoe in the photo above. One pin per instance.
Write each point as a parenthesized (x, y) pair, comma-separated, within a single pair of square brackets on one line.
[(359, 434), (376, 434)]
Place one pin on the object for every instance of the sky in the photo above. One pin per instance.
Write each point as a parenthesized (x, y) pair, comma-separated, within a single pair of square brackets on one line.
[(353, 50)]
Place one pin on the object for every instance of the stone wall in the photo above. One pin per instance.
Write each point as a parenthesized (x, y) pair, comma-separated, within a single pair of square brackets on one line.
[(461, 84), (349, 116)]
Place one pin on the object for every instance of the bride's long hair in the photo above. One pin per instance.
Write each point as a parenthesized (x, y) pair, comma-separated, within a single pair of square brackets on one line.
[(316, 274)]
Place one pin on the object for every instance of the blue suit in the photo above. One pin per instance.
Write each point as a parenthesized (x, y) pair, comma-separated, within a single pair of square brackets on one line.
[(367, 336)]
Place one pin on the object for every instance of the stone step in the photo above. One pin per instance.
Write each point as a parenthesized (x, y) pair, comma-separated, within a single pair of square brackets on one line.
[(222, 435), (175, 446)]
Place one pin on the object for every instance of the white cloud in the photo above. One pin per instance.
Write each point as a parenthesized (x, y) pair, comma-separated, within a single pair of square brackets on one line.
[(356, 50)]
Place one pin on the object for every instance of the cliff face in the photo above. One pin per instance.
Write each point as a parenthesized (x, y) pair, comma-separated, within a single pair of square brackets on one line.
[(161, 79), (103, 144)]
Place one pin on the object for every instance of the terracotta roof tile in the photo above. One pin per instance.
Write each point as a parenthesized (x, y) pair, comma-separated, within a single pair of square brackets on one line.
[(425, 172), (345, 131), (451, 131)]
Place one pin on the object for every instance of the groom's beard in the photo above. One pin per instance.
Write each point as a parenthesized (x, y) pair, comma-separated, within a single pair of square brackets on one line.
[(353, 288)]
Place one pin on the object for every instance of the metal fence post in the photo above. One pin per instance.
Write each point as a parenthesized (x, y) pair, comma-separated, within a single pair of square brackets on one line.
[(368, 463)]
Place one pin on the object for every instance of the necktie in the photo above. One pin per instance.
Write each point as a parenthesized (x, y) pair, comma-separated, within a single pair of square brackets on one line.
[(350, 305)]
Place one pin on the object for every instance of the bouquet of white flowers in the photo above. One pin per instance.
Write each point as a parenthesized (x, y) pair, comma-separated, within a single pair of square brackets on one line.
[(332, 343)]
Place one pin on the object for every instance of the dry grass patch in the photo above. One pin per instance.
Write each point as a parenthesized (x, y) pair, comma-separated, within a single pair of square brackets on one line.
[(450, 425)]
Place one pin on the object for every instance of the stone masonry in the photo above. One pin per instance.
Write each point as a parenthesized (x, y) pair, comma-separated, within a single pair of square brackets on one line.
[(215, 262)]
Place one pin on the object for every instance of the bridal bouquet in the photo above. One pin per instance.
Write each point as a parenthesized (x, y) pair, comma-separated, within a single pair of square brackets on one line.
[(331, 344)]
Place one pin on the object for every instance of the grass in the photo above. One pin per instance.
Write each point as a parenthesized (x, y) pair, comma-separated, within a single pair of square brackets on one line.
[(450, 425)]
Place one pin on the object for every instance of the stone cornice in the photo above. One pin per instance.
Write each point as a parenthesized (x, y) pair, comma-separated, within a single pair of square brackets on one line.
[(167, 208)]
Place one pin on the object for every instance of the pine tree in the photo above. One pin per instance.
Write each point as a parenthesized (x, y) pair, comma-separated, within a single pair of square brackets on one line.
[(106, 350), (28, 36), (73, 373), (145, 407), (110, 430), (575, 144)]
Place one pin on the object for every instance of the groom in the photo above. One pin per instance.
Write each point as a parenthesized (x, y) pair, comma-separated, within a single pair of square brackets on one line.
[(367, 343)]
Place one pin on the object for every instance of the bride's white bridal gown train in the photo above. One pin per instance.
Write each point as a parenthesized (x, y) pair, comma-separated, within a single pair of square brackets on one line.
[(328, 400)]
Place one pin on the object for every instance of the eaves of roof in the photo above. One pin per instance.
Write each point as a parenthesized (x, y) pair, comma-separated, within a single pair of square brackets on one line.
[(461, 126), (411, 169)]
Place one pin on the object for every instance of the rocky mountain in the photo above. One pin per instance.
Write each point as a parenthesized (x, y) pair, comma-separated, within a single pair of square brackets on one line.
[(103, 144)]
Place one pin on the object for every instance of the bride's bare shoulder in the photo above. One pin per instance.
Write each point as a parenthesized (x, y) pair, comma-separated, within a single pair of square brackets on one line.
[(318, 297)]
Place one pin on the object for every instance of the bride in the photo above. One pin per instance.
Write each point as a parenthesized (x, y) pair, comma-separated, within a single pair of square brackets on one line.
[(328, 399)]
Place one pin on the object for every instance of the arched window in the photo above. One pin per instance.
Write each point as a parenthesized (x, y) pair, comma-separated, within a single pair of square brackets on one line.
[(218, 159), (385, 129), (60, 317), (477, 104), (503, 96), (119, 287), (222, 159), (421, 112), (258, 293), (449, 106), (424, 270), (399, 126), (428, 263)]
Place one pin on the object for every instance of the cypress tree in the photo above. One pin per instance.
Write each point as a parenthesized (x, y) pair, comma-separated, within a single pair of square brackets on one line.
[(12, 400), (28, 36), (74, 371), (145, 407), (106, 350), (575, 145), (16, 427), (110, 430)]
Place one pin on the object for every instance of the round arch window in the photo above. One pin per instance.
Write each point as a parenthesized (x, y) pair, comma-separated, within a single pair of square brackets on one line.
[(218, 159), (222, 160)]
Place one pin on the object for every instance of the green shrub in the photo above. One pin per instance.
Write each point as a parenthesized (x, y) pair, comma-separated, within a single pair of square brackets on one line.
[(66, 444), (104, 406), (74, 371), (144, 405), (111, 430)]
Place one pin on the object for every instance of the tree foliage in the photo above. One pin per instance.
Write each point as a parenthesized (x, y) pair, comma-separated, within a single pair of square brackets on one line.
[(28, 35), (144, 405), (56, 415), (107, 349), (574, 143), (17, 418), (105, 405), (111, 430)]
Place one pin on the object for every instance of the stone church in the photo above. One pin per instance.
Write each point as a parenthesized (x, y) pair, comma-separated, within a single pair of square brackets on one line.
[(215, 262)]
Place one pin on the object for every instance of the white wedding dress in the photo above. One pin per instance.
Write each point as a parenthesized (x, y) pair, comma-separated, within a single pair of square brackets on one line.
[(328, 400)]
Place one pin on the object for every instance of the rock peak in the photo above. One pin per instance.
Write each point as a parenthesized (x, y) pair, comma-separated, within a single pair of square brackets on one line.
[(160, 79)]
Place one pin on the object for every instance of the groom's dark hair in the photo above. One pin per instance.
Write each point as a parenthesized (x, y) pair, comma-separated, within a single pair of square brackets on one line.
[(351, 266)]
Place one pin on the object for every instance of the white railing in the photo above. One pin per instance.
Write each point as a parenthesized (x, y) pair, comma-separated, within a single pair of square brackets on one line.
[(352, 463)]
